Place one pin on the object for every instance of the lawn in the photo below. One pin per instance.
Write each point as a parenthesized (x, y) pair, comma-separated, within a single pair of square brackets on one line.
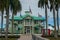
[(52, 38), (10, 38)]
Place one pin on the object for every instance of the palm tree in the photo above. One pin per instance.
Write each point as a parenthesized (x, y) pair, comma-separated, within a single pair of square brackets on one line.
[(52, 7), (7, 4), (44, 3), (57, 20), (15, 7), (2, 12), (57, 9)]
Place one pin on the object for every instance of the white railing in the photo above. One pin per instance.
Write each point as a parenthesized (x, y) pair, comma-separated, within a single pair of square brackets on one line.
[(38, 37)]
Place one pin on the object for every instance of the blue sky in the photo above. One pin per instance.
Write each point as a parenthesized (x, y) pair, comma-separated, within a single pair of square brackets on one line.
[(35, 10)]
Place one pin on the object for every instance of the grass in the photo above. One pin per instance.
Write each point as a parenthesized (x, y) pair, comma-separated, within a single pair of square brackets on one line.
[(52, 38), (9, 38)]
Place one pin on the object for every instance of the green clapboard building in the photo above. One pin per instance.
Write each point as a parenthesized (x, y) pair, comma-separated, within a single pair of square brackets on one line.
[(26, 24)]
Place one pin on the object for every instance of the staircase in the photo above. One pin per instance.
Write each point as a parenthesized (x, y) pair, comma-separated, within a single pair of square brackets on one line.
[(25, 37)]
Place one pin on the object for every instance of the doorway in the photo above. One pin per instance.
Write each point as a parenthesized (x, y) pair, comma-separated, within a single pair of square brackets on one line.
[(27, 30)]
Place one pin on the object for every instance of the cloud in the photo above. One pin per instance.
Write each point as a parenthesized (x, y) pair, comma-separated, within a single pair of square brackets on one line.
[(49, 27)]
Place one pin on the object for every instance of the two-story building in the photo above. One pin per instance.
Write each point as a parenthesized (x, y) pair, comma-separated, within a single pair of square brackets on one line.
[(26, 24)]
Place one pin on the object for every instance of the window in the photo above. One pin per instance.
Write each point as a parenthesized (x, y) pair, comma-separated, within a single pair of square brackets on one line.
[(27, 21), (36, 22), (30, 21), (20, 22)]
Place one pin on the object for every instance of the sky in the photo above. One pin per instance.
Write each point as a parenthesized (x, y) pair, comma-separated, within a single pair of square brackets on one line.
[(35, 10)]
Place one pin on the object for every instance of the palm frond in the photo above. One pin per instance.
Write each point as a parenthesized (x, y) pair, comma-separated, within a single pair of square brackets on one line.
[(41, 3), (16, 5)]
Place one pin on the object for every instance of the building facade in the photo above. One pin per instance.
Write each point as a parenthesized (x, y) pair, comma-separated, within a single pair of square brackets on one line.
[(26, 24)]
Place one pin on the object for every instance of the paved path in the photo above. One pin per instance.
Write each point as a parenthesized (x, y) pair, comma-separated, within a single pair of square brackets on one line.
[(25, 37), (10, 34)]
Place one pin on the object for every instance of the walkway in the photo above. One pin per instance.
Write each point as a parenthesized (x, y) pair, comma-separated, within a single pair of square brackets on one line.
[(10, 34), (25, 37)]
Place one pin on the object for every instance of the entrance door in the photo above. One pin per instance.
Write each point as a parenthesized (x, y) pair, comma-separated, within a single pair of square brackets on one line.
[(27, 30)]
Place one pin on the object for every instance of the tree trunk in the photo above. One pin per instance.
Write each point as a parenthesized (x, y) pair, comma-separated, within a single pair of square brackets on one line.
[(58, 21), (54, 17), (2, 12), (14, 12), (7, 22), (46, 19), (12, 22)]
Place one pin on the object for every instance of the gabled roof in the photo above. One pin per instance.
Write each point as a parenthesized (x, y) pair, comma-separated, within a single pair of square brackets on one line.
[(37, 18), (22, 17)]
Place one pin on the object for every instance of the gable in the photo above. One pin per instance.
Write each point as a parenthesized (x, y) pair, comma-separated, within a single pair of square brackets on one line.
[(28, 17)]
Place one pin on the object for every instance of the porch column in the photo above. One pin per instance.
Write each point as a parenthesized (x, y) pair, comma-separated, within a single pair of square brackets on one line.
[(40, 30), (32, 27), (32, 30), (23, 26), (23, 30)]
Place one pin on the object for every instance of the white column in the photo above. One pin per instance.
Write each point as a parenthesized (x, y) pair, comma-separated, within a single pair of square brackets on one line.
[(32, 27), (23, 26)]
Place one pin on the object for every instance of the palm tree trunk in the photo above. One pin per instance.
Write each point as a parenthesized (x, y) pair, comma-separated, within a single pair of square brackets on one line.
[(14, 12), (54, 17), (12, 22), (46, 19), (58, 21), (1, 22), (7, 22)]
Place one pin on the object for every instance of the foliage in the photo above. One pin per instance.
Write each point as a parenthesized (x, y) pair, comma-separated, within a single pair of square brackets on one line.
[(41, 3), (56, 3), (15, 5)]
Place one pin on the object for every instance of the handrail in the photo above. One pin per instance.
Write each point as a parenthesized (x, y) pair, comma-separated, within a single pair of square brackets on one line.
[(38, 37)]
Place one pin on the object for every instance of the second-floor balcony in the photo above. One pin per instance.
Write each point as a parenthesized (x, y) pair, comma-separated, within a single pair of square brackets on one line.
[(28, 22)]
